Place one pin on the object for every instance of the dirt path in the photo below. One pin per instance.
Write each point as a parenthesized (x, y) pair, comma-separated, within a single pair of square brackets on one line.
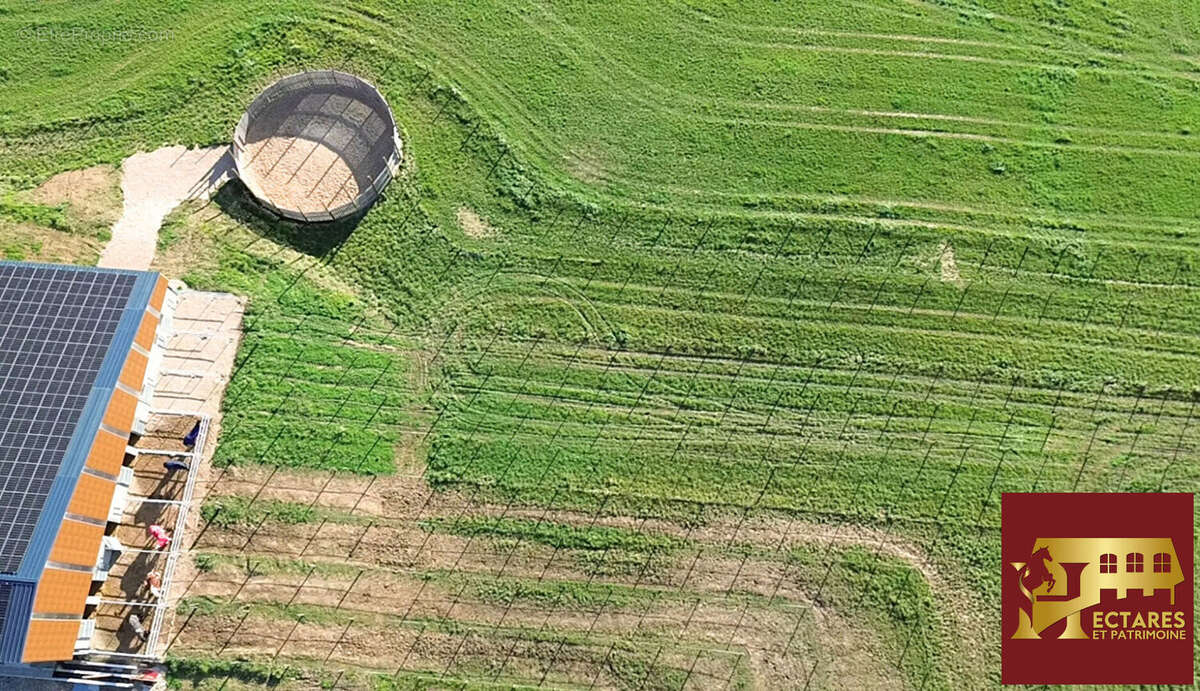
[(153, 184)]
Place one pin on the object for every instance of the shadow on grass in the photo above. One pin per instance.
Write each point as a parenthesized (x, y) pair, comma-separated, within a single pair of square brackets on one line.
[(320, 240)]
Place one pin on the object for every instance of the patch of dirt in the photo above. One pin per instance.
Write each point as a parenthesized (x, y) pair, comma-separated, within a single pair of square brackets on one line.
[(151, 480), (138, 517), (167, 438), (392, 506), (777, 658), (947, 267), (399, 499), (302, 175), (31, 242), (374, 644), (127, 578), (93, 195), (170, 426), (473, 224), (395, 499), (91, 198), (587, 164), (392, 555)]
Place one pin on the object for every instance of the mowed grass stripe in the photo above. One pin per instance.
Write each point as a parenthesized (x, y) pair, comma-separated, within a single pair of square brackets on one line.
[(857, 416), (908, 302), (832, 477), (847, 145), (931, 280), (881, 71), (912, 351), (582, 364)]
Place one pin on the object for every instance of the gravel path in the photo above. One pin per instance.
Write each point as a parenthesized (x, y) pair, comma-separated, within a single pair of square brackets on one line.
[(153, 184)]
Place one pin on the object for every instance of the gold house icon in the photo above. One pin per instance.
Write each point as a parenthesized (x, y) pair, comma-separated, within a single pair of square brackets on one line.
[(1065, 576)]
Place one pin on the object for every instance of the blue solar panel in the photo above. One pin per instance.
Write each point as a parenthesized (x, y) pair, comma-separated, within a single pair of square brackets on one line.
[(16, 600), (56, 326), (6, 591)]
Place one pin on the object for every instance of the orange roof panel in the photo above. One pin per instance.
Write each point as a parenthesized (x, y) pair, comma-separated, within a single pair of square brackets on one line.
[(135, 370), (62, 592), (121, 409), (51, 639), (160, 293), (92, 498), (77, 543), (108, 453), (145, 334)]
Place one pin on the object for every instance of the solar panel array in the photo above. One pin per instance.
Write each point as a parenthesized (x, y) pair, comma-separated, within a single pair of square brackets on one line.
[(56, 324)]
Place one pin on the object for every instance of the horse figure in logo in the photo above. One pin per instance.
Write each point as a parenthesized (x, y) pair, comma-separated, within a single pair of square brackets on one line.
[(1036, 573)]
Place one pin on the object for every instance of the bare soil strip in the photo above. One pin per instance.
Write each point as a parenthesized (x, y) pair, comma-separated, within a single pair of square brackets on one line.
[(376, 531), (674, 620)]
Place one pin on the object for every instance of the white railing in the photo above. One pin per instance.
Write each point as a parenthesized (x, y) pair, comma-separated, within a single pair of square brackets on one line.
[(164, 613)]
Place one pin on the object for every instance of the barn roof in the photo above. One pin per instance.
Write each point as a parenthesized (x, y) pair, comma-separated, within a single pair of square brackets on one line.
[(64, 334)]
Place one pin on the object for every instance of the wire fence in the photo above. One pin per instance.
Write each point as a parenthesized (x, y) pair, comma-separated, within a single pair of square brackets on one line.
[(340, 543)]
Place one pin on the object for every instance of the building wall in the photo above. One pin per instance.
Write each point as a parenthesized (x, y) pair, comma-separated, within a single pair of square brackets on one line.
[(67, 579)]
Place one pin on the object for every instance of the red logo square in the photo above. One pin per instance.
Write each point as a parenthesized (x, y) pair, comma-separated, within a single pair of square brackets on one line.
[(1096, 588)]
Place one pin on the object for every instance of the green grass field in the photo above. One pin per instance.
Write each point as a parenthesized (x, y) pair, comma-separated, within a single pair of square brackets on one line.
[(863, 265)]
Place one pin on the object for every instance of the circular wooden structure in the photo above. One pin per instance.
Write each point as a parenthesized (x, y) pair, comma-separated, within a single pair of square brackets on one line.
[(317, 146)]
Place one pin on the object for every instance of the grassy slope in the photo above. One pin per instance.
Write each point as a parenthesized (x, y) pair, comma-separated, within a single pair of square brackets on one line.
[(321, 379), (716, 279)]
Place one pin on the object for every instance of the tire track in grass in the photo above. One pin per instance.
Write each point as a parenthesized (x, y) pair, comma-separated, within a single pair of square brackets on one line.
[(869, 221), (1034, 215), (484, 87), (552, 168), (760, 411), (1184, 340), (1148, 62), (890, 222), (1048, 30), (791, 424), (564, 27), (948, 335), (674, 363), (788, 434), (987, 274), (1049, 39), (650, 84), (952, 57), (669, 95)]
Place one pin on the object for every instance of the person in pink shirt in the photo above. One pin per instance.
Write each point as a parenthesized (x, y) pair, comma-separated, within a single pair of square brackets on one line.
[(159, 534)]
